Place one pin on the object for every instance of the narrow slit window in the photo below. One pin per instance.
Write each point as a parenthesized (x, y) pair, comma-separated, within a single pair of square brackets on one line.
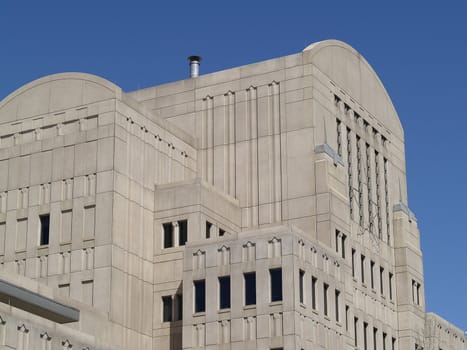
[(276, 284), (325, 298), (179, 304), (224, 292), (167, 309), (314, 281), (182, 232), (221, 232), (337, 297), (250, 288), (208, 229), (44, 229), (300, 281), (200, 295), (381, 280), (362, 261), (353, 262), (372, 274), (168, 235), (390, 286)]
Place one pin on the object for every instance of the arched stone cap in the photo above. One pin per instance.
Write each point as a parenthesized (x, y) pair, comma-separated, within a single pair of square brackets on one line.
[(352, 73), (54, 93)]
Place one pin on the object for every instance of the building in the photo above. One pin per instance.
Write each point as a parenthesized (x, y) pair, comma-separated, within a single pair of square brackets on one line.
[(260, 207)]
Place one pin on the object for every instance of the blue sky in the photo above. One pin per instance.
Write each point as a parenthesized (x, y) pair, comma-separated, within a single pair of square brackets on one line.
[(418, 48)]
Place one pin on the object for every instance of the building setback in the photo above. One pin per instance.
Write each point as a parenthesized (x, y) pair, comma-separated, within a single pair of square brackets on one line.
[(260, 207)]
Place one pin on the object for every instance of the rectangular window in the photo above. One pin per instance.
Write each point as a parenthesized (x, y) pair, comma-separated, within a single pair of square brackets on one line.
[(325, 297), (224, 292), (365, 336), (221, 232), (276, 284), (347, 310), (343, 239), (381, 280), (355, 331), (314, 281), (208, 229), (353, 263), (375, 338), (300, 281), (372, 274), (337, 295), (182, 232), (362, 261), (384, 340), (167, 309), (390, 285), (179, 303), (44, 229), (200, 295), (250, 288), (168, 235), (393, 344)]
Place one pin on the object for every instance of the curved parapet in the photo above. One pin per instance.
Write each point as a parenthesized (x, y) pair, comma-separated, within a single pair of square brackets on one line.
[(353, 74), (54, 93)]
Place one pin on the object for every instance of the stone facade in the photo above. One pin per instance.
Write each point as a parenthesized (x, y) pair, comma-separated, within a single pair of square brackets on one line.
[(264, 206)]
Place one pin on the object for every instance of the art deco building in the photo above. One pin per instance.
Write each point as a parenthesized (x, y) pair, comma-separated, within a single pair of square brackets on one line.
[(260, 207)]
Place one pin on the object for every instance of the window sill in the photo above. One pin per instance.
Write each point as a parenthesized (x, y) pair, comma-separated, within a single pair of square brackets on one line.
[(326, 317), (223, 311), (315, 311), (303, 305), (274, 303), (199, 314), (249, 307)]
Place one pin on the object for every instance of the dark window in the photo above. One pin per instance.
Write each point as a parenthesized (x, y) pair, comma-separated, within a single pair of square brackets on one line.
[(208, 229), (372, 274), (384, 340), (390, 286), (168, 235), (353, 262), (167, 309), (355, 331), (344, 237), (300, 281), (182, 232), (393, 344), (337, 295), (250, 288), (365, 336), (221, 232), (224, 292), (347, 310), (313, 292), (381, 280), (276, 284), (45, 223), (362, 261), (325, 293), (200, 295), (179, 303), (375, 338)]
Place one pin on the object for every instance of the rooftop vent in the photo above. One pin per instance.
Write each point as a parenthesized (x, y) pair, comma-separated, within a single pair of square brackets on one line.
[(194, 65)]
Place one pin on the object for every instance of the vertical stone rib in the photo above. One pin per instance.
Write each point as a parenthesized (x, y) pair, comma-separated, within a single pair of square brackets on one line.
[(204, 163), (231, 143), (276, 152), (210, 139), (253, 119)]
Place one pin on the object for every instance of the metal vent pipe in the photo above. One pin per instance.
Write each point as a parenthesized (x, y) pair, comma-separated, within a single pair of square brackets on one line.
[(194, 65)]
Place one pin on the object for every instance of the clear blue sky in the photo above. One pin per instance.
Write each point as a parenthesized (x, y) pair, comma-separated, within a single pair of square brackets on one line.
[(418, 48)]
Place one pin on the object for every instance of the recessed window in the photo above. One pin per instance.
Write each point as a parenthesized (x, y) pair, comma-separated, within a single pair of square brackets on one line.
[(314, 281), (355, 331), (337, 297), (167, 309), (347, 311), (168, 235), (224, 292), (372, 274), (182, 232), (200, 295), (208, 229), (250, 288), (179, 306), (300, 281), (393, 344), (390, 285), (384, 340), (44, 229), (325, 298), (381, 280), (362, 262), (221, 232), (365, 336), (353, 262), (276, 284)]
